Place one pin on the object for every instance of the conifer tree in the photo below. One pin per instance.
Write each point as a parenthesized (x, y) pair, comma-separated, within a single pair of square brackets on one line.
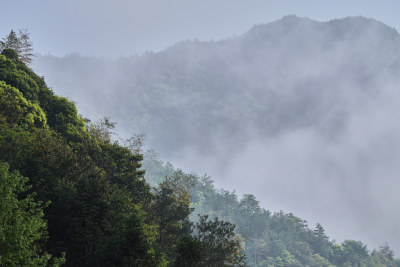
[(20, 43)]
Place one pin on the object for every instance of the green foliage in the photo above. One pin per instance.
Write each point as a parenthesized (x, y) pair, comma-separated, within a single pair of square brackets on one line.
[(102, 130), (92, 206), (209, 200), (318, 261), (18, 78), (251, 218), (277, 239), (171, 209), (122, 168), (134, 244), (61, 113), (320, 243), (189, 252), (354, 252), (62, 116), (40, 155), (221, 245), (22, 77), (11, 54), (15, 109), (23, 229), (156, 170), (100, 201), (103, 227), (215, 243)]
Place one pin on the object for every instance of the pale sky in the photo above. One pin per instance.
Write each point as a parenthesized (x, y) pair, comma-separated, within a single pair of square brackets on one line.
[(114, 28)]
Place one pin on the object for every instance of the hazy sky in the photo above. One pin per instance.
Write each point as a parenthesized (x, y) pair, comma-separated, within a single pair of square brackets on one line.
[(123, 27)]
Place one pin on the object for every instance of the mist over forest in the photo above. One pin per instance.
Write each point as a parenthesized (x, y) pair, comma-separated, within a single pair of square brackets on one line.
[(300, 113)]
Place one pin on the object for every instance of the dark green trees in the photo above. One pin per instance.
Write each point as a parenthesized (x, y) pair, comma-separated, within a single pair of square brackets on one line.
[(214, 244), (350, 252), (190, 252), (23, 230), (320, 242), (99, 212), (221, 245), (171, 210)]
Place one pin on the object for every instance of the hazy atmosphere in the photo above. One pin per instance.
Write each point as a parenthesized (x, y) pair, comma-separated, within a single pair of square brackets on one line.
[(126, 27), (295, 102)]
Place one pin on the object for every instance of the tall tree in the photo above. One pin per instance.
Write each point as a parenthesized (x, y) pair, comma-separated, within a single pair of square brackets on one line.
[(221, 245), (11, 41), (21, 43), (172, 209), (386, 251), (25, 49)]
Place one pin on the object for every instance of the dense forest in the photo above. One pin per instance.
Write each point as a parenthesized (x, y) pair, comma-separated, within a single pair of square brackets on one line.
[(70, 194)]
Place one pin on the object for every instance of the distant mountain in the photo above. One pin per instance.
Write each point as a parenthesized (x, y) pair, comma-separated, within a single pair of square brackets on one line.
[(293, 73)]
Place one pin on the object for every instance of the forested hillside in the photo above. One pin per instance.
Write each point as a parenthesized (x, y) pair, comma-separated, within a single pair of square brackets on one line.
[(271, 239), (69, 194)]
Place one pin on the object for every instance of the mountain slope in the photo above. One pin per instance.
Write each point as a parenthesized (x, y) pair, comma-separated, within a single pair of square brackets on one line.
[(290, 74)]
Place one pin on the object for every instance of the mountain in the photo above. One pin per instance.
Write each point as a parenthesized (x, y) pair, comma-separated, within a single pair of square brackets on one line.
[(301, 113), (290, 74)]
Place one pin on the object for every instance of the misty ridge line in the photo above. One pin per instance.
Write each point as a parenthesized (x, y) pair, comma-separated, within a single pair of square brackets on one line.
[(308, 107)]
